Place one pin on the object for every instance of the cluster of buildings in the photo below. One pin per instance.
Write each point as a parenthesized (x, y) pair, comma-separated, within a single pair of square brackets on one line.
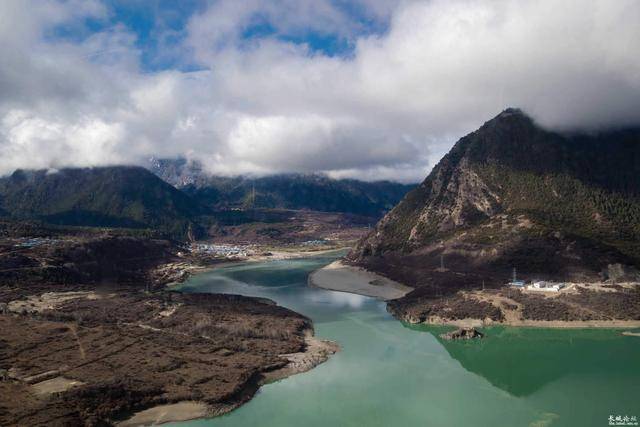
[(315, 242), (227, 251), (34, 241), (538, 285), (542, 285)]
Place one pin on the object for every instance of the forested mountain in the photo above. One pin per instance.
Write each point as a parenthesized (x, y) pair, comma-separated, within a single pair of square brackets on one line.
[(514, 195), (122, 196)]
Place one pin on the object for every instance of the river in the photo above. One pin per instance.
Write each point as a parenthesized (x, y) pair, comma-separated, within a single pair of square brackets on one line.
[(390, 374)]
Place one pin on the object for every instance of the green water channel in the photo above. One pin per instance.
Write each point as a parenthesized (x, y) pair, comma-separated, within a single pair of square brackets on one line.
[(391, 374)]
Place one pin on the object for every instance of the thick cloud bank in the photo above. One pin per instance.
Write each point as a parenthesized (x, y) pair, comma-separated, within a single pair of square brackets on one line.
[(388, 108)]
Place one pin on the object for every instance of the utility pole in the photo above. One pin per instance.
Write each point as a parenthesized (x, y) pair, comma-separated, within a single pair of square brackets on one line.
[(253, 196), (514, 274), (442, 262)]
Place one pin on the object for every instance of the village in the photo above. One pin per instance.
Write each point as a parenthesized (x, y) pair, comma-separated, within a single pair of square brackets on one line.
[(222, 250), (216, 251)]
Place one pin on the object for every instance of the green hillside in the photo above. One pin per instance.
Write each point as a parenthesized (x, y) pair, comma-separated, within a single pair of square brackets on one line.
[(512, 194)]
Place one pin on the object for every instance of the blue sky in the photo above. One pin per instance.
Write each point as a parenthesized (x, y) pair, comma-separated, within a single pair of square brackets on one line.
[(159, 26), (156, 24)]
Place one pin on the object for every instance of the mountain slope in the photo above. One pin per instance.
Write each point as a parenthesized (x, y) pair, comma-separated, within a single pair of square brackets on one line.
[(287, 191), (120, 196), (512, 194)]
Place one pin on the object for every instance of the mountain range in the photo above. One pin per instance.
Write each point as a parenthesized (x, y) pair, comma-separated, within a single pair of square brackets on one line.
[(284, 191), (133, 197)]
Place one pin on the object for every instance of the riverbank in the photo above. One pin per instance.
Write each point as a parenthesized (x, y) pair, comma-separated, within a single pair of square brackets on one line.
[(551, 324), (316, 351), (586, 306), (172, 412), (339, 276)]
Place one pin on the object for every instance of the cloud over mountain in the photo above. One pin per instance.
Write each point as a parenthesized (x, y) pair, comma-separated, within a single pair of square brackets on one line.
[(390, 88)]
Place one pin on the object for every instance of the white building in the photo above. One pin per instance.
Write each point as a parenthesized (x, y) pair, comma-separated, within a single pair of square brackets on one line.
[(539, 284), (543, 286)]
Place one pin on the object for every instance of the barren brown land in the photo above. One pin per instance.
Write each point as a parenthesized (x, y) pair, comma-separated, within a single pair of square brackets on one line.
[(90, 336)]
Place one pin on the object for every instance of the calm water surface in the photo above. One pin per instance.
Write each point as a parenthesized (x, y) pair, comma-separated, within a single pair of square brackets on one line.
[(390, 374)]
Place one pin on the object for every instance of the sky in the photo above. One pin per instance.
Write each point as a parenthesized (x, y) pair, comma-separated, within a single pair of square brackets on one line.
[(368, 89)]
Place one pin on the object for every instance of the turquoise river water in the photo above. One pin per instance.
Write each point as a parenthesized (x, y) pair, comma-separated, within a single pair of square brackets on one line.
[(390, 374)]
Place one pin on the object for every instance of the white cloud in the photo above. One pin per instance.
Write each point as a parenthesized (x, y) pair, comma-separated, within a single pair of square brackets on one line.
[(50, 144), (389, 110)]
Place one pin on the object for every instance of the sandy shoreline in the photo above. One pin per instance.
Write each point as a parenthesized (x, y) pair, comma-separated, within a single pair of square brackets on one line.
[(181, 411), (338, 276)]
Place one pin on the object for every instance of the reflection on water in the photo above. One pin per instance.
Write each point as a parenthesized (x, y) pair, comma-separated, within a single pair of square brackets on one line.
[(522, 361), (388, 374), (339, 299), (283, 281)]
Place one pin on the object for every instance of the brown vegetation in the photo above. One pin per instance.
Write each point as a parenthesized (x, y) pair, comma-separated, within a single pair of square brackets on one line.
[(132, 351), (82, 314)]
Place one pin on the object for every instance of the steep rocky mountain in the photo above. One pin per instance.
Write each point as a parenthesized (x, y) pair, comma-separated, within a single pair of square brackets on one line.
[(122, 196), (287, 191), (514, 195)]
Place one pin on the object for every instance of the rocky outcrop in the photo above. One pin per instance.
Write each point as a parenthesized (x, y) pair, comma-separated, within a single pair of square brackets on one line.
[(462, 334), (463, 200)]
